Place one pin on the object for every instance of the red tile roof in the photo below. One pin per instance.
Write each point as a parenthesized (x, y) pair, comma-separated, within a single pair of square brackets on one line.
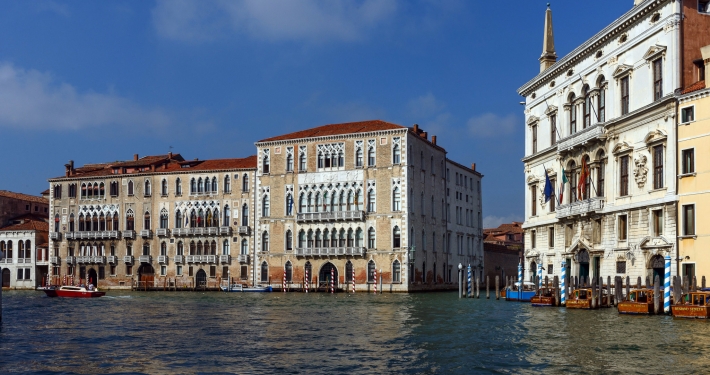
[(338, 129), (27, 225), (24, 197), (215, 164), (694, 87)]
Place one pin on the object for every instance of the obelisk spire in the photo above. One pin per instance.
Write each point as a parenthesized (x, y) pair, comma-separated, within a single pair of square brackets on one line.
[(549, 56)]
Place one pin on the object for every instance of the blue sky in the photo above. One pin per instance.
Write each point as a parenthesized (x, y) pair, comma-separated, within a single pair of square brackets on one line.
[(99, 81)]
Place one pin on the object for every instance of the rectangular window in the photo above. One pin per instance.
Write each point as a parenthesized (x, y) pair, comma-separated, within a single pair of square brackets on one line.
[(657, 217), (657, 78), (243, 272), (178, 270), (689, 220), (533, 201), (625, 95), (20, 273), (602, 104), (213, 271), (621, 267), (550, 269), (551, 237), (658, 167), (533, 239), (553, 129), (688, 161), (624, 174), (601, 170), (113, 270), (534, 139), (225, 272), (396, 272), (163, 270), (622, 230), (129, 270), (687, 114), (190, 271), (703, 6)]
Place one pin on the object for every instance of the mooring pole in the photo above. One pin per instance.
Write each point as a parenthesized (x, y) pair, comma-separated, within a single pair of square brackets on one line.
[(460, 283), (2, 255), (497, 287), (488, 289), (656, 295), (469, 285)]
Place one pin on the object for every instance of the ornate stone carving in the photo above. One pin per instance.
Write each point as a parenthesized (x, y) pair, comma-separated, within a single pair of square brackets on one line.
[(640, 171)]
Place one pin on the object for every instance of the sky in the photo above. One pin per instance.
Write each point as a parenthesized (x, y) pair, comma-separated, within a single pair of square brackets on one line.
[(100, 81)]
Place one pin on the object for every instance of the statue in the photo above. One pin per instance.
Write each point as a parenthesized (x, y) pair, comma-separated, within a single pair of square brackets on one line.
[(640, 171)]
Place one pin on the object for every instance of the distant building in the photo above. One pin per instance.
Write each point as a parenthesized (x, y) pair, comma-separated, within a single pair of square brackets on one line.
[(502, 249), (23, 240)]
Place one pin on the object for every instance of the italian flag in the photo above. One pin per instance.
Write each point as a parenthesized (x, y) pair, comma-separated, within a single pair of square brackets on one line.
[(562, 185)]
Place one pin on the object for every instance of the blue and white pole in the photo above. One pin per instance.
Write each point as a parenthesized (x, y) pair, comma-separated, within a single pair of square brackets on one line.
[(667, 287), (468, 290), (563, 292), (520, 281), (539, 276)]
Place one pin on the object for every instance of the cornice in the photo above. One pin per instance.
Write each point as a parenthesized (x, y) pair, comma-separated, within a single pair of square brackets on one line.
[(148, 174), (695, 95), (331, 137)]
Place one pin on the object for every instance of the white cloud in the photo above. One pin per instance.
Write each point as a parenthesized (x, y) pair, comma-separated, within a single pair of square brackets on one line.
[(276, 20), (31, 99), (495, 221), (491, 125), (425, 105)]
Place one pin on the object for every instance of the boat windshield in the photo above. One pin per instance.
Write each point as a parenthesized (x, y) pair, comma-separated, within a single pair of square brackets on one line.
[(701, 299)]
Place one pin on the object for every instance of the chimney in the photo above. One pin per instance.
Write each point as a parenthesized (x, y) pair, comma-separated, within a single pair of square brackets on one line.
[(135, 157), (549, 56), (424, 135), (473, 166), (152, 167), (705, 51), (67, 170), (416, 128), (170, 155), (433, 139)]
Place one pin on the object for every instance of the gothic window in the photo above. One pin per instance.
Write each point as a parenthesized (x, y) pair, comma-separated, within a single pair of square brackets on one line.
[(289, 240), (351, 238), (200, 185), (289, 159), (371, 201), (225, 219), (146, 221), (180, 248), (227, 185), (289, 271), (265, 206), (129, 220), (245, 215), (130, 187), (302, 239), (302, 158), (264, 272), (71, 222), (225, 247), (396, 199), (358, 237), (396, 237), (371, 153), (164, 187), (147, 188), (396, 271), (265, 241), (245, 183), (371, 271), (396, 152), (178, 219), (358, 154), (265, 162), (193, 186), (163, 219), (302, 203)]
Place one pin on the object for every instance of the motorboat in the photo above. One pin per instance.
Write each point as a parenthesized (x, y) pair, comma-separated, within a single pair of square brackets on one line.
[(640, 301), (73, 292), (582, 299), (516, 293), (692, 305), (245, 288)]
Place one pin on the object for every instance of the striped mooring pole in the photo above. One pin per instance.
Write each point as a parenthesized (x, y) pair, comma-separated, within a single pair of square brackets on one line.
[(539, 276), (667, 286), (353, 280), (563, 292), (468, 284), (332, 280), (306, 280), (375, 278), (520, 281), (284, 283)]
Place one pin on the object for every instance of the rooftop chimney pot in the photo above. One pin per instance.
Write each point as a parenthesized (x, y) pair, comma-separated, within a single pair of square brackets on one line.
[(135, 157), (433, 139), (473, 166)]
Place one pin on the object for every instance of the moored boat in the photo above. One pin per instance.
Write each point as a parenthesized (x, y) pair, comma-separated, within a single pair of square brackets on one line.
[(524, 294), (73, 292), (244, 288), (545, 297), (692, 305), (640, 301), (582, 299)]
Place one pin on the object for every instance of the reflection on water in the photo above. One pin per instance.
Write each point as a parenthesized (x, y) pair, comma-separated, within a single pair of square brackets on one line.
[(323, 333)]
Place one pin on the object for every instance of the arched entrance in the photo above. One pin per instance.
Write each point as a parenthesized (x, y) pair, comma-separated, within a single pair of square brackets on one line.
[(583, 263), (533, 271), (91, 277), (6, 278), (324, 275), (201, 279), (146, 274), (658, 266)]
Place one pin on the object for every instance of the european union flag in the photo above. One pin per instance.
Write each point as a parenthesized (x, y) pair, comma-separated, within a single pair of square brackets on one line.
[(549, 189)]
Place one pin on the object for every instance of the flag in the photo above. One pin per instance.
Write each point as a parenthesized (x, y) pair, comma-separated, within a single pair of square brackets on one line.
[(562, 185), (549, 189), (582, 185)]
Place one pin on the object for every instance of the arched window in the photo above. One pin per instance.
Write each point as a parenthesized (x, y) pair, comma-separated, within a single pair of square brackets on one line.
[(129, 220), (289, 204), (289, 162), (245, 247), (341, 238), (193, 186), (371, 271), (163, 248), (318, 202), (301, 239), (96, 189), (71, 222), (326, 238), (396, 199), (245, 183), (333, 238), (193, 248), (265, 206), (214, 185), (20, 249), (163, 219), (193, 219), (213, 247), (164, 187), (200, 185), (115, 221), (396, 237), (601, 170), (265, 164), (572, 181), (289, 240), (102, 222), (348, 272), (146, 191), (95, 222), (358, 199), (351, 238), (341, 159), (587, 107), (102, 191), (199, 248), (319, 239), (358, 156), (227, 184), (180, 248), (371, 238), (146, 221), (265, 241), (371, 156), (572, 115), (178, 186), (130, 187), (601, 100), (264, 272), (289, 271), (321, 159), (302, 159), (225, 219), (309, 239), (245, 215), (396, 154), (200, 218), (225, 247), (371, 201), (351, 201), (83, 190), (358, 237), (396, 271)]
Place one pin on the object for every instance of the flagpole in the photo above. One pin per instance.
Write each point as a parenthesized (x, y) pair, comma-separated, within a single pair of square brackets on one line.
[(590, 102), (557, 129)]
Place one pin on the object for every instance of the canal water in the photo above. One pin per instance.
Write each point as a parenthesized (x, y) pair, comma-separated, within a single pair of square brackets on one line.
[(131, 332)]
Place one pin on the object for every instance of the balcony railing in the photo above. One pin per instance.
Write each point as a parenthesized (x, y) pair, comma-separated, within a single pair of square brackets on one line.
[(208, 231), (161, 232), (98, 259), (243, 258), (580, 138), (128, 259), (55, 236), (83, 259), (69, 235), (210, 258), (179, 259), (89, 235), (129, 234), (331, 216), (145, 258), (225, 231), (71, 260), (225, 259), (112, 259), (193, 258), (330, 251), (146, 233), (163, 259), (244, 230), (581, 208), (54, 260)]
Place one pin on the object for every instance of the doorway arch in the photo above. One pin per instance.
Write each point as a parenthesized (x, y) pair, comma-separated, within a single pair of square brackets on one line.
[(533, 271), (201, 279), (657, 264), (583, 263), (325, 274), (146, 274), (6, 278), (92, 277)]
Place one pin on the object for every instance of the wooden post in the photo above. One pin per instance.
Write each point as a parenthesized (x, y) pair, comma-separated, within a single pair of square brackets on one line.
[(497, 287), (628, 288), (488, 289), (556, 282), (702, 281), (648, 283), (478, 287), (657, 296), (684, 286), (695, 283), (638, 282), (593, 302), (676, 290)]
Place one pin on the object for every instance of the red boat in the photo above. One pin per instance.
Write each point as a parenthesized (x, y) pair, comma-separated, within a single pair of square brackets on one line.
[(73, 292)]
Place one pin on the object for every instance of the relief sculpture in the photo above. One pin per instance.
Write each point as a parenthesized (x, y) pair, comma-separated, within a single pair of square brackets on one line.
[(640, 171)]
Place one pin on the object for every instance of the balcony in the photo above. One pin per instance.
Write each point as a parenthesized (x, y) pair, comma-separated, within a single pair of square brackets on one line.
[(180, 231), (193, 258), (54, 260), (83, 260), (330, 216), (129, 234), (145, 259), (225, 259), (98, 259), (163, 259), (209, 258), (55, 236), (330, 251), (69, 235), (244, 230), (580, 208), (581, 138), (71, 260), (128, 259), (112, 259), (179, 259), (146, 233), (243, 258), (162, 232), (225, 231)]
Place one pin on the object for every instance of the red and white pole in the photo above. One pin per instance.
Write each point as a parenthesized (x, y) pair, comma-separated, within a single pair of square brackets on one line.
[(353, 280), (284, 283), (375, 281), (332, 280)]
